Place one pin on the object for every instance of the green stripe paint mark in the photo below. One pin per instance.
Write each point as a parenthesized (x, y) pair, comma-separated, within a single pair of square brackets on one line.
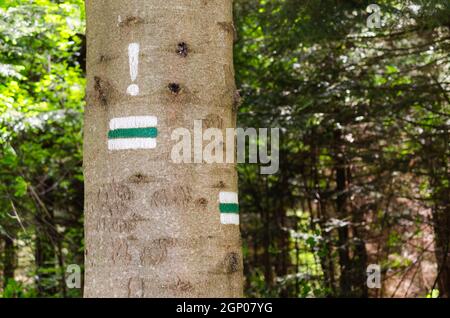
[(150, 132), (229, 208)]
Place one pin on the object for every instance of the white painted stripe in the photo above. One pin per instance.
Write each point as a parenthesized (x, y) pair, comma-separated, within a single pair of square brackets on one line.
[(228, 197), (132, 143), (133, 122), (229, 218), (133, 54)]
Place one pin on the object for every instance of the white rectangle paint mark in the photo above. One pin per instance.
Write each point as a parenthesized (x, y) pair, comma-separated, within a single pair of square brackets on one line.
[(133, 122), (132, 143), (228, 197), (229, 218)]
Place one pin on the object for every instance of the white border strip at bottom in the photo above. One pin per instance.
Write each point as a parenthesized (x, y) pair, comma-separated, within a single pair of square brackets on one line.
[(132, 143), (229, 218)]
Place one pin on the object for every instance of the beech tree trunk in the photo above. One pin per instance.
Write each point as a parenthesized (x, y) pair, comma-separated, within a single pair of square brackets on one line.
[(153, 227)]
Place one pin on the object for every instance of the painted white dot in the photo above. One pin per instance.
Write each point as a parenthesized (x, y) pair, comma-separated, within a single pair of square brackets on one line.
[(133, 90)]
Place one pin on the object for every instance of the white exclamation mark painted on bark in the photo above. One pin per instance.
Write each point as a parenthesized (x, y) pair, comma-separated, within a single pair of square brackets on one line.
[(133, 54)]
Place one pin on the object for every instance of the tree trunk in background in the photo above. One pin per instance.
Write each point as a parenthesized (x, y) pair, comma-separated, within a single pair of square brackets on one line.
[(441, 216), (441, 223), (9, 261), (45, 254), (437, 167), (152, 227), (341, 208), (352, 250), (267, 259)]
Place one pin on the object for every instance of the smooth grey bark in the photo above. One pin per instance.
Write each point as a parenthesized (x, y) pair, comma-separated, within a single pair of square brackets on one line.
[(152, 227)]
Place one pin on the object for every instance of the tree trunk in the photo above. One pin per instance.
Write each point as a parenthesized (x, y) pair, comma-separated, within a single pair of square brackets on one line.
[(437, 167), (341, 208), (153, 227), (9, 260), (352, 251), (442, 225), (441, 220), (44, 254)]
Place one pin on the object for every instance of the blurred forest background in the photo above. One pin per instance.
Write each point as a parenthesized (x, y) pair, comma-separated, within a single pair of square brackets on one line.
[(364, 152)]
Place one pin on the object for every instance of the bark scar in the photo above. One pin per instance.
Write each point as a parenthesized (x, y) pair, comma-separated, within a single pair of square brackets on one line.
[(140, 178), (231, 263), (131, 21), (182, 49), (100, 87), (175, 88)]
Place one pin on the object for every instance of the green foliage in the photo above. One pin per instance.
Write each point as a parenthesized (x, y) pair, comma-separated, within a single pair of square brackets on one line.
[(41, 106), (14, 289), (433, 294)]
